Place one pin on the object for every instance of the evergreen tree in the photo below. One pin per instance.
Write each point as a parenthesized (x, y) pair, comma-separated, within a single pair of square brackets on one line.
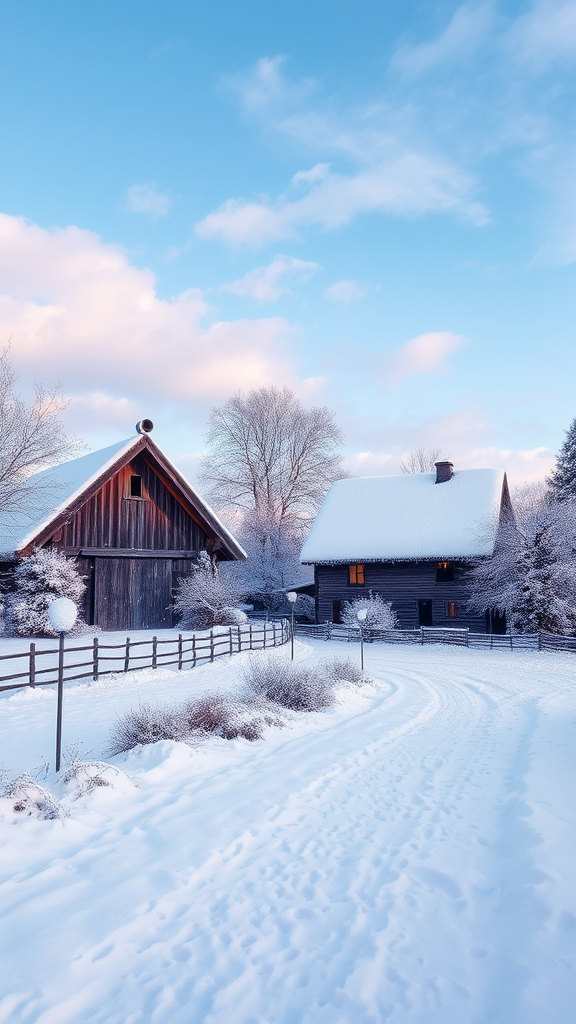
[(563, 478), (38, 580)]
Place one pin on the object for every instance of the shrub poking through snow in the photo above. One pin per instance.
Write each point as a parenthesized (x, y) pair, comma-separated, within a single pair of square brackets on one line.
[(148, 723), (38, 580), (379, 614), (28, 798), (343, 670), (214, 714), (85, 776), (294, 686)]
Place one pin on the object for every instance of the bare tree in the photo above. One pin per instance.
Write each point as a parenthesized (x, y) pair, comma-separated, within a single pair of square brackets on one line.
[(32, 438), (421, 461), (268, 465)]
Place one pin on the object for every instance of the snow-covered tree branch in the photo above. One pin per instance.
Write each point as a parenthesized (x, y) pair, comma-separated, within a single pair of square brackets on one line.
[(32, 438)]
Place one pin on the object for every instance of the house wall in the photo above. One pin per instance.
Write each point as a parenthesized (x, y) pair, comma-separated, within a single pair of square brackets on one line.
[(402, 583)]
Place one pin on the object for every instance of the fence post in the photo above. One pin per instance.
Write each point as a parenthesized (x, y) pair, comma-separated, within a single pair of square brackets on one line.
[(127, 655), (250, 636), (265, 621), (194, 650), (239, 639), (32, 665), (154, 651), (179, 651), (95, 659), (231, 648), (211, 645), (274, 634), (468, 637), (422, 635)]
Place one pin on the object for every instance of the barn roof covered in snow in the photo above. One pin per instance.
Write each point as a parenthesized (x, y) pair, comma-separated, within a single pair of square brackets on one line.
[(59, 492), (408, 517)]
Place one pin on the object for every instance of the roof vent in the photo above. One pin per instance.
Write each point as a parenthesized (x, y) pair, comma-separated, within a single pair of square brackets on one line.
[(444, 472), (144, 427)]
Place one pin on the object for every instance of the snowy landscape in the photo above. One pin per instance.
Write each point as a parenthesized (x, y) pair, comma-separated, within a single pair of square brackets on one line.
[(403, 856)]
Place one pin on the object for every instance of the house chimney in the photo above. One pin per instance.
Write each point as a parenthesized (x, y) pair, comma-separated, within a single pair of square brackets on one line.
[(144, 426), (444, 472)]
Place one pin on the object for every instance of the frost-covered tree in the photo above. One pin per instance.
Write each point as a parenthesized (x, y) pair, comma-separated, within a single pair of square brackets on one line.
[(38, 580), (32, 438), (421, 461), (204, 598), (531, 577), (268, 464), (379, 614), (562, 480)]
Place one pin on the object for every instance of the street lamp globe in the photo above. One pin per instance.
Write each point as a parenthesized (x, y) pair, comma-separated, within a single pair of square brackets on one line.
[(62, 614)]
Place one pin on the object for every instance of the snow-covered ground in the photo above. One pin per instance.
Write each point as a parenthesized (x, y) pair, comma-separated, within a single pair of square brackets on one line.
[(405, 857)]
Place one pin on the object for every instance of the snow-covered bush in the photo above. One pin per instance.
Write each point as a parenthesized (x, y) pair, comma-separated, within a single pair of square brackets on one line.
[(379, 614), (204, 598), (343, 670), (24, 796), (294, 686), (148, 723), (38, 580), (213, 714), (81, 777), (305, 608)]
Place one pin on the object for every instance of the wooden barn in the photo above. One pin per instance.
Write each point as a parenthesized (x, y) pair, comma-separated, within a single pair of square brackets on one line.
[(410, 539), (133, 523)]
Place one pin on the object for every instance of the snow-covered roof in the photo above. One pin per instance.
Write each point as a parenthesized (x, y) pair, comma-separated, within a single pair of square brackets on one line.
[(58, 488), (406, 517)]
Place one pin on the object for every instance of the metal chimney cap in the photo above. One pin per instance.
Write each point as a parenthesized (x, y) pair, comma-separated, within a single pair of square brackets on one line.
[(144, 427)]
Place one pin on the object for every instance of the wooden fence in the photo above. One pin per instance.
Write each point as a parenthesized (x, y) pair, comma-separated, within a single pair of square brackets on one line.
[(40, 665), (433, 635)]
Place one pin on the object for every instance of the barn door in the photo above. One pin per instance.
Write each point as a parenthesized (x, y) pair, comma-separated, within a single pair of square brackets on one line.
[(133, 593)]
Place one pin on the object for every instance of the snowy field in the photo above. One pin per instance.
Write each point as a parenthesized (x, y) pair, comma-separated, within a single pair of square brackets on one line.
[(404, 857)]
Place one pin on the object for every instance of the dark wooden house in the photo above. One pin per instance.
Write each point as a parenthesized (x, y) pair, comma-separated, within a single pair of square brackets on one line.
[(410, 539), (133, 523)]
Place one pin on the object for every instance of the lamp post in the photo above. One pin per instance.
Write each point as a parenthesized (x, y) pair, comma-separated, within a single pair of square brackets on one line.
[(361, 615), (62, 616), (292, 597)]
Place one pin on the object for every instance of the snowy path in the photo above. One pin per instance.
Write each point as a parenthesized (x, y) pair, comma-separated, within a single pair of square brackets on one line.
[(404, 858)]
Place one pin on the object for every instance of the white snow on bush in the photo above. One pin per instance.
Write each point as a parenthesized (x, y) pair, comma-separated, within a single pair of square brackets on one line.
[(408, 516), (403, 856)]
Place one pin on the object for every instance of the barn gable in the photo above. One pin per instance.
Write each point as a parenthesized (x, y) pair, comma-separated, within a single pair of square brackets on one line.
[(134, 524)]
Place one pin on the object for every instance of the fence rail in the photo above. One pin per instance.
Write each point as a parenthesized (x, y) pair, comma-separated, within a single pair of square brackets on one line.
[(183, 651), (433, 635)]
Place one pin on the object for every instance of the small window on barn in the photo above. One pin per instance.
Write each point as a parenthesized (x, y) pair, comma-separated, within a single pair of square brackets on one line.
[(356, 575), (452, 611), (444, 572), (135, 486)]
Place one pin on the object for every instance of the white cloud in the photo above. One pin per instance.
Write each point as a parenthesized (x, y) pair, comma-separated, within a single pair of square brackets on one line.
[(267, 284), (427, 353), (265, 87), (79, 311), (345, 291), (146, 199), (545, 34), (406, 185), (466, 31)]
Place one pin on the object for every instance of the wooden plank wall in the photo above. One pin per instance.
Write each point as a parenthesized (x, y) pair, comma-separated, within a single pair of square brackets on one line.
[(402, 583), (111, 518)]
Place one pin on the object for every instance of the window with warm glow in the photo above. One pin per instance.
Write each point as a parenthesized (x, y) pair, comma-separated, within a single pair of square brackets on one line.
[(452, 609), (356, 575), (444, 571)]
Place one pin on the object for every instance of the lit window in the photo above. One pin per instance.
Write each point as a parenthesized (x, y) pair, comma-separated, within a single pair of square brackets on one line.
[(135, 486), (452, 609), (356, 575), (444, 571)]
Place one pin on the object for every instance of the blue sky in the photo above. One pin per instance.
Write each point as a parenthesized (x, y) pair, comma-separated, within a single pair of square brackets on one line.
[(370, 202)]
